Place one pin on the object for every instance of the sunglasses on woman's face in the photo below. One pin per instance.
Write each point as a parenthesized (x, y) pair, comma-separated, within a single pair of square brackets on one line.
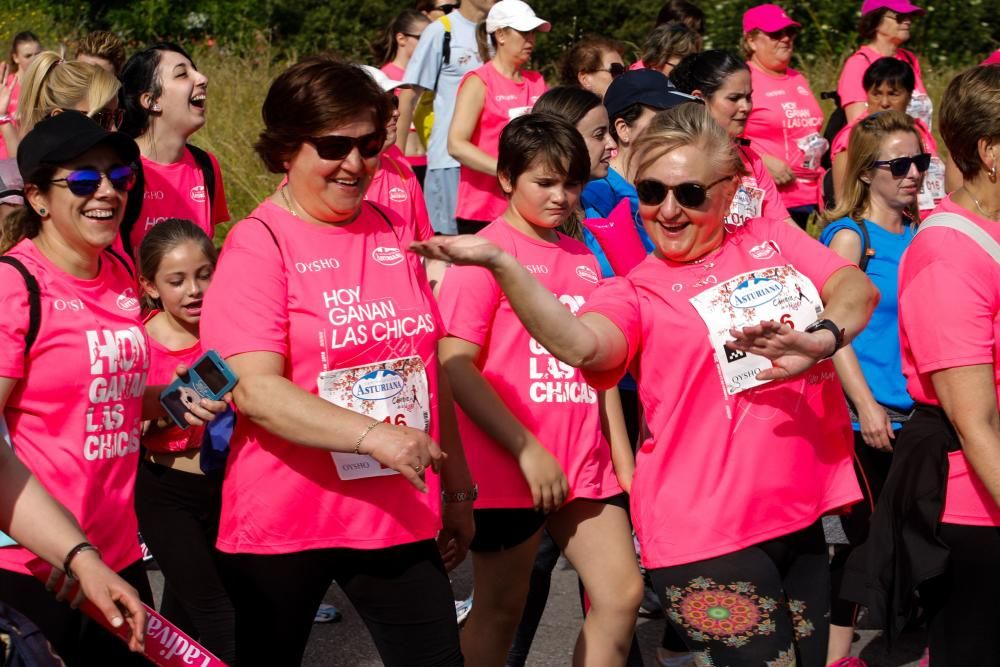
[(338, 147), (689, 195), (791, 32), (614, 69), (108, 119), (901, 166), (85, 182)]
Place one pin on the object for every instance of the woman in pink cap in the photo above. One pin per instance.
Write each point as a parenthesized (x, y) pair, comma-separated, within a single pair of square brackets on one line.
[(489, 97), (785, 122), (884, 26)]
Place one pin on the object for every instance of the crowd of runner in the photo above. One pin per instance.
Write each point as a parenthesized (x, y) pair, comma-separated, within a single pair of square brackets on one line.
[(482, 317)]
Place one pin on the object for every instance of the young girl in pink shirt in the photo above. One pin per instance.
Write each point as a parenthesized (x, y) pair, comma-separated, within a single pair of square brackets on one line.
[(176, 503), (488, 98), (532, 427), (164, 97)]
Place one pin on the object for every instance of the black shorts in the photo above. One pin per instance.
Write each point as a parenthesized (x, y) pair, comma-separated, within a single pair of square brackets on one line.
[(506, 528)]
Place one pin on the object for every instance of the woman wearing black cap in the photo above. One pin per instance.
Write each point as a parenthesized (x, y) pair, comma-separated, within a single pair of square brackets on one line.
[(73, 366)]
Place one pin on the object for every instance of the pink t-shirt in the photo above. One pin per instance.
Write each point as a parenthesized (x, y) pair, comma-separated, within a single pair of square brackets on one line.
[(638, 64), (549, 398), (162, 364), (396, 188), (784, 118), (949, 301), (328, 299), (850, 87), (758, 195), (722, 471), (396, 73), (479, 194), (178, 191), (75, 413)]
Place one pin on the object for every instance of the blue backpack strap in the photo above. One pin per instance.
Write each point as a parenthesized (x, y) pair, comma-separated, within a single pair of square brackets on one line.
[(34, 300)]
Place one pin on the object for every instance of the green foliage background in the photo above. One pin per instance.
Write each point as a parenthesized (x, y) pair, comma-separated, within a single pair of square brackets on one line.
[(243, 44)]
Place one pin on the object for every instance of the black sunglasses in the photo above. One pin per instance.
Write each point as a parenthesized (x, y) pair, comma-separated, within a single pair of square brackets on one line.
[(791, 31), (901, 166), (614, 69), (689, 195), (85, 182), (109, 120), (448, 7), (337, 147), (902, 18)]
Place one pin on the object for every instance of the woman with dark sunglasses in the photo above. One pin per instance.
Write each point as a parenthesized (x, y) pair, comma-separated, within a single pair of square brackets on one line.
[(728, 331), (871, 226), (52, 85), (335, 470), (164, 98), (592, 64), (73, 368), (786, 120), (884, 27)]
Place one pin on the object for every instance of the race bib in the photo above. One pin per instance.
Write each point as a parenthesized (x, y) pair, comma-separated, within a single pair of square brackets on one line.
[(394, 392), (748, 203), (932, 190), (778, 293)]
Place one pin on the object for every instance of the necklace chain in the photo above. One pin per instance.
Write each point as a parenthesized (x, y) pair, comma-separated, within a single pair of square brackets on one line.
[(975, 201), (287, 200)]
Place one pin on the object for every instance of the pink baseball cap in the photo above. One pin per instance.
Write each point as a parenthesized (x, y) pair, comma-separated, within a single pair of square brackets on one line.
[(769, 18), (898, 6), (993, 59)]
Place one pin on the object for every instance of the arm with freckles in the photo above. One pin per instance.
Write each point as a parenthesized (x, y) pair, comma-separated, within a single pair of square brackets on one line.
[(591, 341), (271, 401), (468, 108)]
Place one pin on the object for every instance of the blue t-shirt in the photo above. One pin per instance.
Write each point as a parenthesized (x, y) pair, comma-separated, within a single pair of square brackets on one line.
[(601, 195), (427, 69), (877, 346)]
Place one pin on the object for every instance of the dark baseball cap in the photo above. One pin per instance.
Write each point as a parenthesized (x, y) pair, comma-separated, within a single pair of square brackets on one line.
[(58, 139), (648, 87)]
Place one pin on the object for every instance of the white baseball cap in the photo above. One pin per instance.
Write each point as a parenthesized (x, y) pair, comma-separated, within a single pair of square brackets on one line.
[(514, 14), (381, 78)]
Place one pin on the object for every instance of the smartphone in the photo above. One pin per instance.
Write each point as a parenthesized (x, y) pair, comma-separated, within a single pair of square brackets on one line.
[(209, 377)]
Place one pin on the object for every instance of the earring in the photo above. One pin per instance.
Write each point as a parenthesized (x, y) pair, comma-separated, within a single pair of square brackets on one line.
[(42, 211), (155, 107)]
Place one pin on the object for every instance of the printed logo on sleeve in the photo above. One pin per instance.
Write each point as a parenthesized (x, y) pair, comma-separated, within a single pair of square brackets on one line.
[(587, 274), (763, 251), (128, 301), (387, 256), (398, 194), (198, 193)]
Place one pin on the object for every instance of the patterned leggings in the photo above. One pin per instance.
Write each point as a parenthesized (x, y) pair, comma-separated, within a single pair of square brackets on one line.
[(764, 605)]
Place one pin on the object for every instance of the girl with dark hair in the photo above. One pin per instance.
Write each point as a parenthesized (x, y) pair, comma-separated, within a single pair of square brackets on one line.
[(393, 48), (536, 434), (164, 97), (23, 49), (682, 11), (884, 27), (332, 329), (176, 503), (723, 80)]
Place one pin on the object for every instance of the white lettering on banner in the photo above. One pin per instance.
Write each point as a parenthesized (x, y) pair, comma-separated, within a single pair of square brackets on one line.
[(317, 265), (119, 361), (174, 644)]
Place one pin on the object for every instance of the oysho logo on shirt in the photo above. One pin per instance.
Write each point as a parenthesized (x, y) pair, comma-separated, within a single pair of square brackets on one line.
[(774, 93), (154, 195), (317, 265), (387, 256), (397, 194), (198, 193), (536, 268), (127, 300), (755, 292), (587, 274)]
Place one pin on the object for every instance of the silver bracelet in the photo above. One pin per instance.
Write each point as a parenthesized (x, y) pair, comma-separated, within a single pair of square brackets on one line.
[(466, 495)]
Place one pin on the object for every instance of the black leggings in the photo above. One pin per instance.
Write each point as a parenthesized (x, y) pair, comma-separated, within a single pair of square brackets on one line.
[(402, 593), (966, 618), (179, 521), (77, 639), (766, 604)]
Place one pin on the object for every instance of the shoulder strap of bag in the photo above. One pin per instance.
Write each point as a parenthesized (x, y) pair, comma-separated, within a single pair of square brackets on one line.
[(133, 209), (445, 49), (121, 260), (867, 251), (967, 227), (207, 170), (34, 300)]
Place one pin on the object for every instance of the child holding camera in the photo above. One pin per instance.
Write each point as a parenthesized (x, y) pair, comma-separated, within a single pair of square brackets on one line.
[(177, 503)]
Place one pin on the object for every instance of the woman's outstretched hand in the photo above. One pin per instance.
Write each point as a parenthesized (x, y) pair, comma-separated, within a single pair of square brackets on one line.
[(463, 249), (791, 351)]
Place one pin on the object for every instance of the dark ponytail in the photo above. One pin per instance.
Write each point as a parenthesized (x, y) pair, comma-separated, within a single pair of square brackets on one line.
[(384, 48)]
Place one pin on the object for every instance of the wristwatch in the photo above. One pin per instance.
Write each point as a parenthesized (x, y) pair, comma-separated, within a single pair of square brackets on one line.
[(460, 496), (838, 333)]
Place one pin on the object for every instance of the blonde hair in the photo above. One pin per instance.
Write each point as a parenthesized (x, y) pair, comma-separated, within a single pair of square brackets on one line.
[(688, 124), (52, 84), (863, 150)]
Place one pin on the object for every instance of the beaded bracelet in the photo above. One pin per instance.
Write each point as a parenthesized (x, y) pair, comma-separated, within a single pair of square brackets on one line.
[(76, 551)]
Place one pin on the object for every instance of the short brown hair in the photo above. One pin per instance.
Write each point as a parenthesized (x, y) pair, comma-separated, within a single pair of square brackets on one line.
[(587, 55), (868, 23), (546, 137), (103, 44), (313, 96), (968, 114), (668, 40)]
